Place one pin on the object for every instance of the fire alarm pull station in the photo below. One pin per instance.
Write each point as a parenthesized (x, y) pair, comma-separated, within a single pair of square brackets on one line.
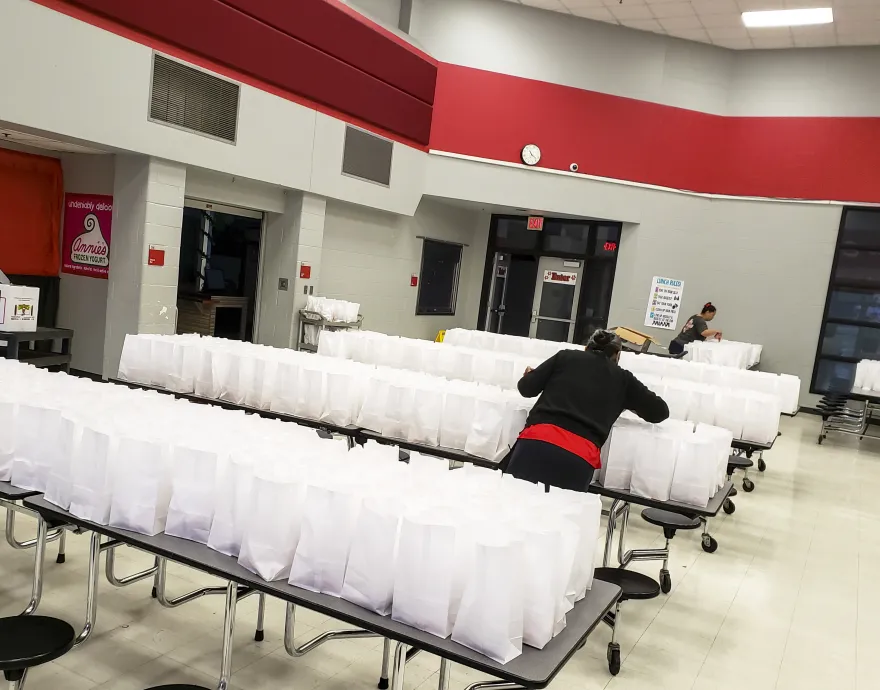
[(305, 271), (414, 280)]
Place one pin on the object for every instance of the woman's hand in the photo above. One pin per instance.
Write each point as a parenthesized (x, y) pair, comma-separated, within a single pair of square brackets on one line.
[(528, 371)]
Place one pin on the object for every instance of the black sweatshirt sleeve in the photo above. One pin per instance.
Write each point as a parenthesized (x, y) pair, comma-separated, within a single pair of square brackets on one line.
[(532, 384), (644, 402)]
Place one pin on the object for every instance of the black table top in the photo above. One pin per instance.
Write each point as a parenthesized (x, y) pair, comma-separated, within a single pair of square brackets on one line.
[(13, 493), (268, 414), (41, 333), (863, 396), (710, 510), (435, 451), (534, 668)]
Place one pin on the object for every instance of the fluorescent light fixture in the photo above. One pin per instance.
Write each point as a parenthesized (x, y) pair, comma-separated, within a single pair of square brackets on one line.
[(804, 17)]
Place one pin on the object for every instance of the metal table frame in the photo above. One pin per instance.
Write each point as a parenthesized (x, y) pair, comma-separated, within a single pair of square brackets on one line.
[(620, 511), (852, 421), (14, 339), (534, 669)]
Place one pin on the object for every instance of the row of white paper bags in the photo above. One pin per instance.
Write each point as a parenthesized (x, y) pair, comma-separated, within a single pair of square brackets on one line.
[(671, 461), (533, 348), (726, 353), (481, 420), (333, 309), (786, 387), (448, 361), (748, 415), (867, 376), (293, 506)]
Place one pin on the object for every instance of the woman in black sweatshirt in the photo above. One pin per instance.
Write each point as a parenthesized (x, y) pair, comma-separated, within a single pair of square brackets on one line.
[(582, 395)]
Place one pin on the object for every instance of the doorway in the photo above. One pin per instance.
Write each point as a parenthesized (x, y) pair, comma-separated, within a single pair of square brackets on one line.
[(578, 258), (219, 270)]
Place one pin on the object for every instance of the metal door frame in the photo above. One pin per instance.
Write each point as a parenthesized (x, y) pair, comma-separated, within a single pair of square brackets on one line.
[(555, 263)]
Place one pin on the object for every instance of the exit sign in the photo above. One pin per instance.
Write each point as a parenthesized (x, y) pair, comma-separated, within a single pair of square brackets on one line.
[(535, 223)]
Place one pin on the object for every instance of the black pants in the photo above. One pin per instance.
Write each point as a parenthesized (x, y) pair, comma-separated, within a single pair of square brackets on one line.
[(543, 463), (675, 348)]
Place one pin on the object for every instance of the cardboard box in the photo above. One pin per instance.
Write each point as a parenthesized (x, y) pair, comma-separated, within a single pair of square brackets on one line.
[(640, 341), (18, 308)]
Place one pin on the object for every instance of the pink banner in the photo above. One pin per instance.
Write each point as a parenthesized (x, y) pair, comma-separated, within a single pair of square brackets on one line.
[(85, 248)]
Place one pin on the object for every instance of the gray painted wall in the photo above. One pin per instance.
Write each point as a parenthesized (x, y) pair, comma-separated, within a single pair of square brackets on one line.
[(765, 265), (369, 257)]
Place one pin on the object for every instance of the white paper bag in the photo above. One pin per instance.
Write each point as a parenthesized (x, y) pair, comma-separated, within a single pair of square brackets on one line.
[(427, 410), (135, 361), (328, 526), (36, 445), (730, 411), (141, 485), (311, 393), (187, 361), (427, 581), (490, 620), (624, 444), (695, 477), (654, 466), (272, 526), (369, 577), (235, 481), (193, 493), (372, 412), (7, 438), (458, 416), (484, 435), (58, 484), (398, 410), (90, 475)]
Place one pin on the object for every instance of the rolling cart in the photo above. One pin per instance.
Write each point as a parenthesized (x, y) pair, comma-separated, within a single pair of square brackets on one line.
[(312, 318)]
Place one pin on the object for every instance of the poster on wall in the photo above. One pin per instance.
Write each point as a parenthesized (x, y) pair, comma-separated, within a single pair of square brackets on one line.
[(86, 241), (664, 303)]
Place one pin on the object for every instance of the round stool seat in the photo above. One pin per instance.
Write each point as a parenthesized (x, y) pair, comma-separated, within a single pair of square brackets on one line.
[(633, 585), (665, 518), (27, 641), (735, 462)]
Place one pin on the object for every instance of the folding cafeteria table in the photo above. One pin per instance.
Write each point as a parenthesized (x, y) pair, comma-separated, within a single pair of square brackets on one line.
[(533, 669)]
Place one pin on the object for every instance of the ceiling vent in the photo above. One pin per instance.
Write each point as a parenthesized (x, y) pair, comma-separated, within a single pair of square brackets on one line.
[(190, 99), (367, 156)]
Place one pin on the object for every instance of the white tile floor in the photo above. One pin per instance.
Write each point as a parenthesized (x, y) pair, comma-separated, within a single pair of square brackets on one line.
[(789, 601)]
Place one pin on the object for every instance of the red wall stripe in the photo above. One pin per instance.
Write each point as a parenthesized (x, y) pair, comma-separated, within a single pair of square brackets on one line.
[(342, 35), (225, 36), (491, 115)]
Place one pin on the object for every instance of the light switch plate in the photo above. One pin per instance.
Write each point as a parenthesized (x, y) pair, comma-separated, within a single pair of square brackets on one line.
[(283, 284)]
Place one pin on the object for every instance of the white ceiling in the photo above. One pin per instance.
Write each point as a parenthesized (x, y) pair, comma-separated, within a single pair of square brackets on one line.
[(719, 22), (38, 142)]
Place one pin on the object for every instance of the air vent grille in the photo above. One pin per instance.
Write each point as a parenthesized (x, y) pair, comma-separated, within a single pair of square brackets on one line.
[(188, 98), (367, 156)]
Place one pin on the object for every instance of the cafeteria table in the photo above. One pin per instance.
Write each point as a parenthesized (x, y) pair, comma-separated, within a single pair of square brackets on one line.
[(534, 668)]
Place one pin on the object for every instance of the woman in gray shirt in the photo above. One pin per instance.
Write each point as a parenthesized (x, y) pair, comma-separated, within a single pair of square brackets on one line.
[(696, 328)]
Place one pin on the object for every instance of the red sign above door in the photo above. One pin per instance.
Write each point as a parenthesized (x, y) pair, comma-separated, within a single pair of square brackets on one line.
[(560, 277), (535, 223)]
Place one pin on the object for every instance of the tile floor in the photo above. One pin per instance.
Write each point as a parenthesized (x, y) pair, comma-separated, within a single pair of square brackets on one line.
[(789, 601)]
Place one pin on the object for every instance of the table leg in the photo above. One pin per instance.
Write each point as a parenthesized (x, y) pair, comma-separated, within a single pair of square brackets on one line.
[(228, 635), (62, 546), (39, 558), (609, 532), (386, 660), (92, 592), (259, 635), (399, 666), (622, 559), (443, 682)]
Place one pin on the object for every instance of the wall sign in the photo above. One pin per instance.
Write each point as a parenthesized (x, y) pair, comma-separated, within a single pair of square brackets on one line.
[(664, 303), (156, 255), (560, 277), (86, 239)]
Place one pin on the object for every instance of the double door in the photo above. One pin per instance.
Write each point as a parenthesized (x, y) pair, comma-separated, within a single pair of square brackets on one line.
[(534, 296)]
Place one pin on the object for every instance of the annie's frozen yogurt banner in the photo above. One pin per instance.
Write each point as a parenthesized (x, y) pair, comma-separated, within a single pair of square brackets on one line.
[(86, 245)]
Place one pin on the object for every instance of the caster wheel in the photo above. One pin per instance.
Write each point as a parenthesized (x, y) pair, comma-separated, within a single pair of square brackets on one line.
[(709, 544), (154, 594), (665, 582), (61, 558), (614, 659), (383, 684), (748, 486), (729, 507), (259, 636), (821, 438), (762, 465), (733, 491)]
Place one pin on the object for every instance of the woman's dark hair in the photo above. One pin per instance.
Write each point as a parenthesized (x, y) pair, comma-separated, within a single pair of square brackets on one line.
[(708, 308), (606, 342)]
